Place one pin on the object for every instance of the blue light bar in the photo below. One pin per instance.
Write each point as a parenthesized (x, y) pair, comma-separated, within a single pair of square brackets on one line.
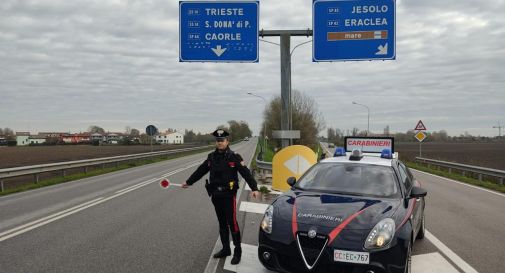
[(339, 151), (386, 153)]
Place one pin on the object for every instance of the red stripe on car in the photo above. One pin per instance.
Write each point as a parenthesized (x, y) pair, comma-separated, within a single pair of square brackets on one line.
[(334, 233), (407, 215), (294, 224)]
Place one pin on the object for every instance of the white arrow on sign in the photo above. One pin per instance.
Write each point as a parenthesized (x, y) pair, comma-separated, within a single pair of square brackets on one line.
[(297, 164), (218, 50), (383, 50)]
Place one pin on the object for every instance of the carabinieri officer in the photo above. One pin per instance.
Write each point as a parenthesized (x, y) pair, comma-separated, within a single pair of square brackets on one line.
[(223, 165)]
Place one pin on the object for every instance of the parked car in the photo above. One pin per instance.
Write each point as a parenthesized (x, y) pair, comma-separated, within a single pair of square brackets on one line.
[(356, 212)]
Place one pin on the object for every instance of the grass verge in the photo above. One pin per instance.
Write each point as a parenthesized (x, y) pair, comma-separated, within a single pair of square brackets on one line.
[(77, 176), (458, 177)]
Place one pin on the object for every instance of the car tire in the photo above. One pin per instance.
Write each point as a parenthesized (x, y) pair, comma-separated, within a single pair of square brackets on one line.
[(408, 261), (420, 233)]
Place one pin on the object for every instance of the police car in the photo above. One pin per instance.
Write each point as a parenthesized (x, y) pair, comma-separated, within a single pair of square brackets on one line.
[(358, 212)]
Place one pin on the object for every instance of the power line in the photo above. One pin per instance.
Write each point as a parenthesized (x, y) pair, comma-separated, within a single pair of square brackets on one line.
[(499, 129)]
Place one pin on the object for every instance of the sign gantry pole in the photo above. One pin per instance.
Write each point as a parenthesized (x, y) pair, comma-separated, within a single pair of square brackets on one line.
[(286, 102)]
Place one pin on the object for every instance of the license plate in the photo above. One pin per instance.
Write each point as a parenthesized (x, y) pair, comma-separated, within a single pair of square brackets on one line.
[(351, 257)]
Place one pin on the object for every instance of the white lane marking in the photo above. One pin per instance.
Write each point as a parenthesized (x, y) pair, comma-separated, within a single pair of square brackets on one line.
[(56, 216), (249, 262), (213, 263), (449, 253), (48, 217), (192, 164), (461, 183), (424, 263), (136, 185), (39, 224), (431, 263), (139, 185), (253, 207)]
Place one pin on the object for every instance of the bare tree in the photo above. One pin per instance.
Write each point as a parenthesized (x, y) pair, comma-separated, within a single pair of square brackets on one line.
[(134, 132), (305, 114), (96, 129)]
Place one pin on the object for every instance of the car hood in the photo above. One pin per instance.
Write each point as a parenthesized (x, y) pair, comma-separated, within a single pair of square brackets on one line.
[(307, 209)]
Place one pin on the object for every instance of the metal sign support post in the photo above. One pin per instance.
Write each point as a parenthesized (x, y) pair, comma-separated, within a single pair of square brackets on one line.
[(286, 111)]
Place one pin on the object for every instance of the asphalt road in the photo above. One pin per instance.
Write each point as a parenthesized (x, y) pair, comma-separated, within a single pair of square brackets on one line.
[(125, 222), (469, 220), (101, 225)]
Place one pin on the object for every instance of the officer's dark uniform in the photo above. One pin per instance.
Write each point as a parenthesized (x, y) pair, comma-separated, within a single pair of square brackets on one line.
[(223, 167)]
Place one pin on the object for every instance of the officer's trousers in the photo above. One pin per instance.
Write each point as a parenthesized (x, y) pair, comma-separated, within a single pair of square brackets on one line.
[(226, 211)]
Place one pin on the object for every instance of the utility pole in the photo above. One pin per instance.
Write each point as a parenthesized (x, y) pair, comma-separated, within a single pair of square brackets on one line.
[(499, 126)]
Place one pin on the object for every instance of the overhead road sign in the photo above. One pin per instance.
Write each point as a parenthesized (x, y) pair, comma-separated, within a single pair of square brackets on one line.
[(353, 30), (218, 31), (420, 126)]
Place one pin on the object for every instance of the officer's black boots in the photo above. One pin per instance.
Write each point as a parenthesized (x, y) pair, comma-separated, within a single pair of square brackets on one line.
[(222, 253), (225, 240), (237, 252)]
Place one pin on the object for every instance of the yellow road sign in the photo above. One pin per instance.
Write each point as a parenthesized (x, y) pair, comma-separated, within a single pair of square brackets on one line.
[(291, 161), (420, 136)]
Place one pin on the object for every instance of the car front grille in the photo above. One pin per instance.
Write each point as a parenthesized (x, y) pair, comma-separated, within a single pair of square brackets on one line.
[(311, 248)]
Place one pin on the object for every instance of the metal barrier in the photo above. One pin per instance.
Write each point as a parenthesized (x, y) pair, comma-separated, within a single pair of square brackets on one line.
[(480, 171), (264, 169), (62, 166)]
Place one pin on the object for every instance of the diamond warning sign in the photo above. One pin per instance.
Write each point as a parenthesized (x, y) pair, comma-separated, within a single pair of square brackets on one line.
[(420, 136), (420, 126)]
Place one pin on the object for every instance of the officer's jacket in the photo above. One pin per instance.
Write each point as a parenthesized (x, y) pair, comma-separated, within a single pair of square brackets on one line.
[(223, 168)]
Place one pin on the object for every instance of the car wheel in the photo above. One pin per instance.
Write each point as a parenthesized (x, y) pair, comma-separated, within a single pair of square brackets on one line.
[(420, 233), (408, 262)]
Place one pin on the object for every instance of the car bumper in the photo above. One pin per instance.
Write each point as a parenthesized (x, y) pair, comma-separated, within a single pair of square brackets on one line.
[(287, 258)]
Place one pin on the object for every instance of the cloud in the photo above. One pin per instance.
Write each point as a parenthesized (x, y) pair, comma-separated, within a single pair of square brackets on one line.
[(67, 64)]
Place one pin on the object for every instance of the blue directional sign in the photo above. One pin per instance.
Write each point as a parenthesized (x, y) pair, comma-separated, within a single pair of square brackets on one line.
[(218, 31), (352, 30)]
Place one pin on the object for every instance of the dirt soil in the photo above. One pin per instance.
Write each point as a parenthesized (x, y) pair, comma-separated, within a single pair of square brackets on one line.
[(34, 155), (485, 154)]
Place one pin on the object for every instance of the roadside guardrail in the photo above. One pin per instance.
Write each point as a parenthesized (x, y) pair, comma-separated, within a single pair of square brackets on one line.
[(264, 169), (36, 170), (480, 171)]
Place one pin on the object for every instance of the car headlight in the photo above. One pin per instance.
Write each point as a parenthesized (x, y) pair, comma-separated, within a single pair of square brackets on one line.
[(381, 235), (266, 223)]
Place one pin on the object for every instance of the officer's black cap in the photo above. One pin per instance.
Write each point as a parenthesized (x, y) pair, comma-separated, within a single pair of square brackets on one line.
[(220, 134)]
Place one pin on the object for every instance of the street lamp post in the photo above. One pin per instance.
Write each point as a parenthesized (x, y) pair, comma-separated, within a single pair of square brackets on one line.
[(265, 124), (368, 109)]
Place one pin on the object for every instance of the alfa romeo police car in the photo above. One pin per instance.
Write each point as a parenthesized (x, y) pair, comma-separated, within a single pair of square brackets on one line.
[(358, 212)]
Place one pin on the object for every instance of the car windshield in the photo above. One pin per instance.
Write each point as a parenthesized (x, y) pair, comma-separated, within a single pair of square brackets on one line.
[(350, 178)]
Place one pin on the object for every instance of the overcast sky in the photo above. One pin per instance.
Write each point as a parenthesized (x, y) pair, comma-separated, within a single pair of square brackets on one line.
[(66, 65)]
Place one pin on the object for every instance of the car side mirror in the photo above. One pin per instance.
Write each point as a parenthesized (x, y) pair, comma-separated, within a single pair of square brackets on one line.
[(291, 181), (418, 192)]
